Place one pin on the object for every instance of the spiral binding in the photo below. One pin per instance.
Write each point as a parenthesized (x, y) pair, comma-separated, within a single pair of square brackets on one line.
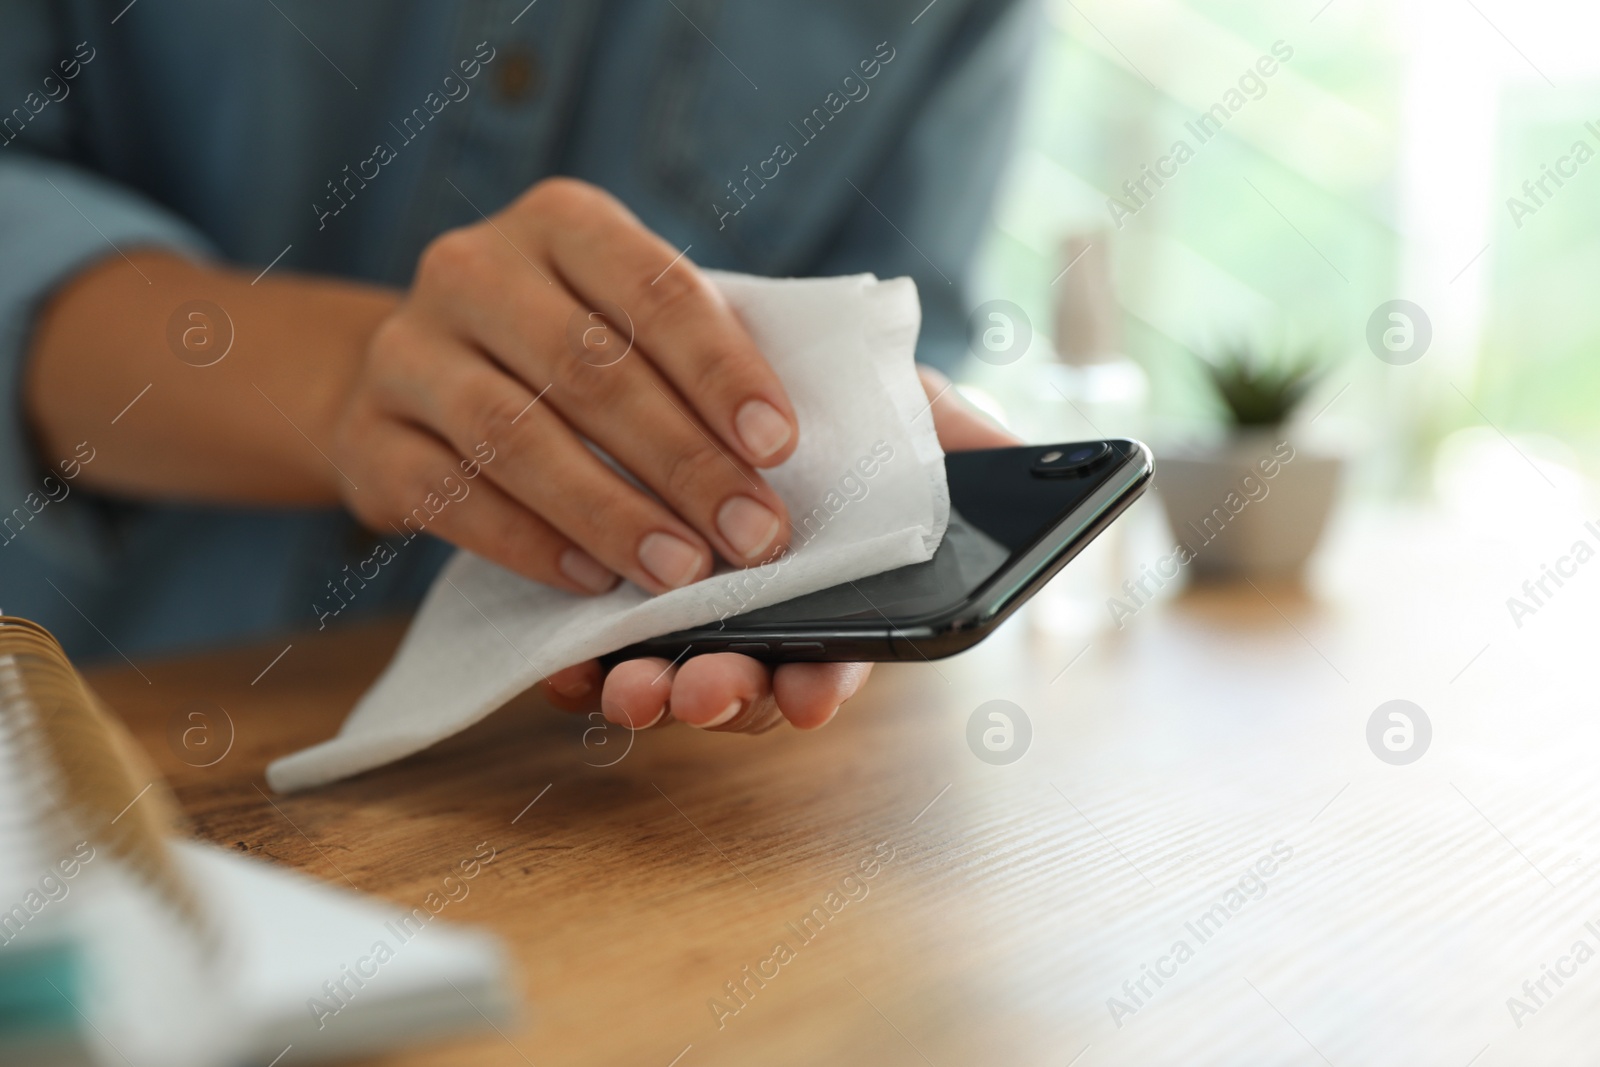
[(92, 780)]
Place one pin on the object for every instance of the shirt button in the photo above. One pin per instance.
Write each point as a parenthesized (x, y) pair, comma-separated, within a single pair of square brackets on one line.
[(518, 76)]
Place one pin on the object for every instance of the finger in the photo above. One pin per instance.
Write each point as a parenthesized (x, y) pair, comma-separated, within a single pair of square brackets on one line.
[(810, 693), (636, 691), (605, 254), (540, 463), (960, 426), (726, 692), (574, 688), (429, 489), (626, 407), (637, 416)]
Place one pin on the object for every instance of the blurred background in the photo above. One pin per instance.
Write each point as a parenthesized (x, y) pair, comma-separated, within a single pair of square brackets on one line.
[(1374, 164)]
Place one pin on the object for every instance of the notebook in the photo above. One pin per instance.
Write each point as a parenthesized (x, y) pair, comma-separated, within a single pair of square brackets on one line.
[(123, 943)]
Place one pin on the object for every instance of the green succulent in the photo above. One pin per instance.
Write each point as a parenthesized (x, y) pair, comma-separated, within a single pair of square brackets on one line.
[(1261, 391)]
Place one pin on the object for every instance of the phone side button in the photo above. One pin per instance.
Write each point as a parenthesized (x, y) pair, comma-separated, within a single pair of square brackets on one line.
[(803, 647), (750, 648)]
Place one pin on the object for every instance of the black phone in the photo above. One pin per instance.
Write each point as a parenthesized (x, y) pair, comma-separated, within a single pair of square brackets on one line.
[(1017, 516)]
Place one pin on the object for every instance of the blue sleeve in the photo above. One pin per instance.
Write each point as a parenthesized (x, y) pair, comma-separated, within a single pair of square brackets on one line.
[(56, 219), (938, 184)]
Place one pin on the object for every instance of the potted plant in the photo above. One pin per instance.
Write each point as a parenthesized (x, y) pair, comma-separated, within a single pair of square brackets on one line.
[(1255, 504)]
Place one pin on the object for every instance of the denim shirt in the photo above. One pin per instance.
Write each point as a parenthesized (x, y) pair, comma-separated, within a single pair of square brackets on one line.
[(825, 137)]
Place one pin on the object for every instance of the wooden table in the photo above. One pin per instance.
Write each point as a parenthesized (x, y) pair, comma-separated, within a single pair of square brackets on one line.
[(1405, 904)]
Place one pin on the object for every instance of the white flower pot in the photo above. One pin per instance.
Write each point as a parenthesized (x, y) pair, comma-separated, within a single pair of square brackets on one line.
[(1254, 506)]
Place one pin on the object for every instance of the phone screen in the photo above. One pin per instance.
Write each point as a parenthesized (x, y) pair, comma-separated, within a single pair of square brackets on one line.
[(1000, 508)]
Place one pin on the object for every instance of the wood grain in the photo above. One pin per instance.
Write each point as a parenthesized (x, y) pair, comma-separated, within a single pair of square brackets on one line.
[(1166, 762)]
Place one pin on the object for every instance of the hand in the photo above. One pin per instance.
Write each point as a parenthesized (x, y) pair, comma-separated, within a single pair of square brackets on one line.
[(494, 364), (731, 693)]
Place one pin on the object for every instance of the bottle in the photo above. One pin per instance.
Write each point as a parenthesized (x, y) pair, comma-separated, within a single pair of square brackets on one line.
[(1090, 390)]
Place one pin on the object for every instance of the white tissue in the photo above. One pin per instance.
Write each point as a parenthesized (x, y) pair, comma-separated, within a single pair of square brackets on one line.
[(865, 489)]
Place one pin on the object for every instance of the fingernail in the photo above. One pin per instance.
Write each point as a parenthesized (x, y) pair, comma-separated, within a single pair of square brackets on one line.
[(573, 689), (661, 713), (726, 715), (762, 428), (749, 527), (672, 561), (587, 571)]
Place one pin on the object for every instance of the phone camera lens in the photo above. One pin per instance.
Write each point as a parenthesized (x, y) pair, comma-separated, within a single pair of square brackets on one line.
[(1070, 460)]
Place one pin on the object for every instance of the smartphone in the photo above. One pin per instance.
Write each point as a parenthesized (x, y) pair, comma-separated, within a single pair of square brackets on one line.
[(1017, 516)]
